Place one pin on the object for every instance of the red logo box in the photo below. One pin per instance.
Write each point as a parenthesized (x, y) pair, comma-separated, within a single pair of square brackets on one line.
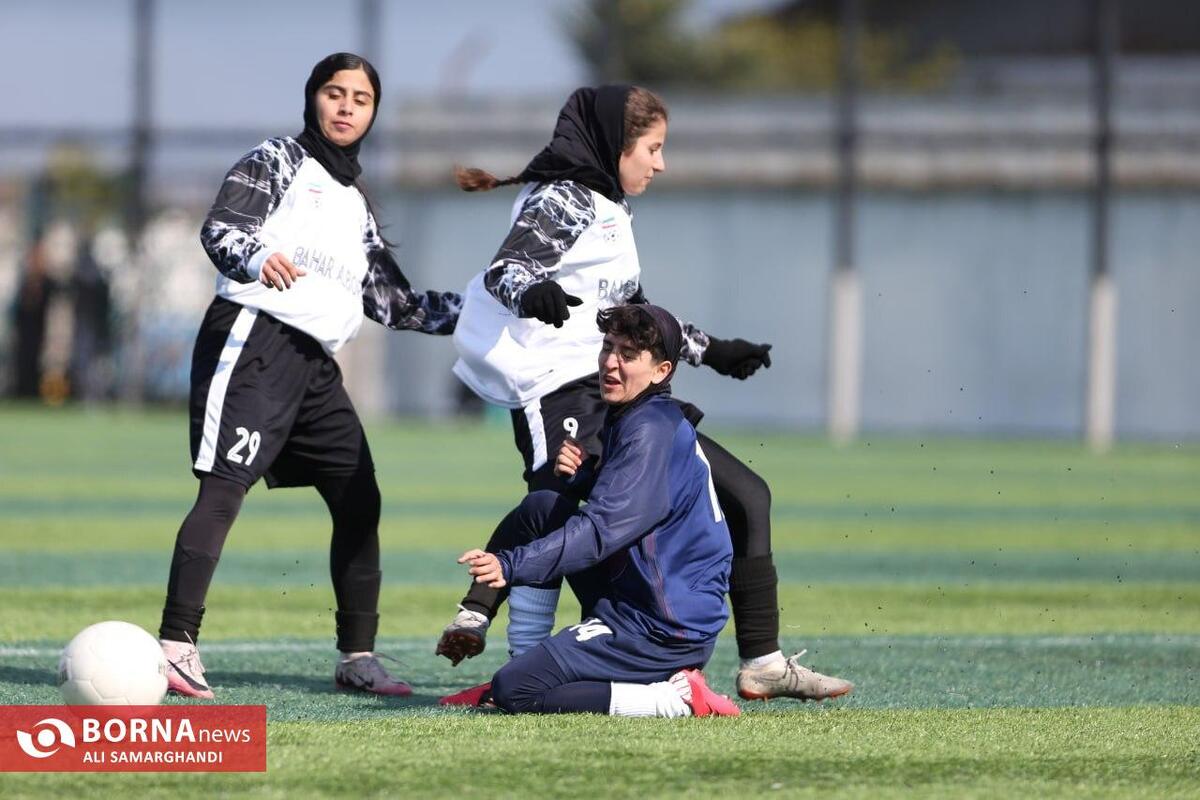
[(133, 738)]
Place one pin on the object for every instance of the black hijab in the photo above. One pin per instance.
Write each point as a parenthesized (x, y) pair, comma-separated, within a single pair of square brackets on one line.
[(588, 138), (340, 162)]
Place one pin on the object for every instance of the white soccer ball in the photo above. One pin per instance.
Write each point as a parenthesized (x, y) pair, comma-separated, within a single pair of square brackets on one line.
[(111, 664)]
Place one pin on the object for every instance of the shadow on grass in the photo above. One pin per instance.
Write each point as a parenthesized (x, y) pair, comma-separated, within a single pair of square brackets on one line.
[(378, 704), (298, 682), (316, 685), (32, 676)]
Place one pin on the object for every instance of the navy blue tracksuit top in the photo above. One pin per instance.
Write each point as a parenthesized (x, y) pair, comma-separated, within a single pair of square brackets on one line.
[(651, 524)]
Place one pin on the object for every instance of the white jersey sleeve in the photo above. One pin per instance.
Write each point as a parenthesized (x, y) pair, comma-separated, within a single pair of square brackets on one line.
[(277, 199), (552, 218), (560, 231)]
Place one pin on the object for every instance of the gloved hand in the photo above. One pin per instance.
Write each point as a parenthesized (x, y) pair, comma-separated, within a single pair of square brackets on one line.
[(548, 302), (736, 357)]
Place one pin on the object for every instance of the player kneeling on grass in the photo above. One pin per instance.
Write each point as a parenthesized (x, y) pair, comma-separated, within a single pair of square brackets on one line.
[(648, 556)]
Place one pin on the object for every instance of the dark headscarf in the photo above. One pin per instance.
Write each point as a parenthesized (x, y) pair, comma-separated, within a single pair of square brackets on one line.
[(669, 331), (340, 162), (588, 138), (672, 339)]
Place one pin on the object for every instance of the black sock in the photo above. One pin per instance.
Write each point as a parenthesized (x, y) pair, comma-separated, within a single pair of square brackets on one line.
[(485, 600), (356, 631), (754, 596)]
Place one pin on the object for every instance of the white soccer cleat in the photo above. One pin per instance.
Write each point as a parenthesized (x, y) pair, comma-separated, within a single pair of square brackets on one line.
[(465, 637), (788, 678), (362, 672), (185, 673)]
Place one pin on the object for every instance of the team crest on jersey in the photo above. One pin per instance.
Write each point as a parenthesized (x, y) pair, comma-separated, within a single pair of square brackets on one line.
[(314, 194), (608, 228)]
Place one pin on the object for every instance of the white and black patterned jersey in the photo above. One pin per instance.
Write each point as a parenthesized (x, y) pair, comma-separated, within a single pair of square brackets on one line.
[(277, 199), (565, 232)]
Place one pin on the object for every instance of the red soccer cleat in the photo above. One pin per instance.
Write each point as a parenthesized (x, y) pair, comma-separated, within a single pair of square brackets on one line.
[(704, 701), (474, 697)]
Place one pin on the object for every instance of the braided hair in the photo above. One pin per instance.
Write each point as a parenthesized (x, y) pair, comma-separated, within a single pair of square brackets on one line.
[(643, 108)]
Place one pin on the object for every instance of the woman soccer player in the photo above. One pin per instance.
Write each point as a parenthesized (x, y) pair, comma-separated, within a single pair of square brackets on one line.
[(648, 556), (301, 260), (526, 342)]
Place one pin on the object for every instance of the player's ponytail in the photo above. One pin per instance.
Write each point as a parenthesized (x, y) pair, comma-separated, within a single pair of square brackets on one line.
[(473, 179), (643, 108)]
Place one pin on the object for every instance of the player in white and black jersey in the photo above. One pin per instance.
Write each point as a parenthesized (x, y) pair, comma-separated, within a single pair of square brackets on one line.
[(527, 341), (300, 261)]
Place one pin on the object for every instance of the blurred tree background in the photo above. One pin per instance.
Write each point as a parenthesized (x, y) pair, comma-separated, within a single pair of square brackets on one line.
[(788, 48)]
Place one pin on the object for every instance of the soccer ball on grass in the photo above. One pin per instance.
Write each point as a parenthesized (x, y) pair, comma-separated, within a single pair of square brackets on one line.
[(112, 663)]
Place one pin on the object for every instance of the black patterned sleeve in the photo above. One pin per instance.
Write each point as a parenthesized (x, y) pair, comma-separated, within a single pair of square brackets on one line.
[(249, 193), (390, 300), (553, 217), (695, 341)]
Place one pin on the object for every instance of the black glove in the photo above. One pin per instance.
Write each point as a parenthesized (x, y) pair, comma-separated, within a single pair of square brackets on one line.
[(548, 302), (736, 357)]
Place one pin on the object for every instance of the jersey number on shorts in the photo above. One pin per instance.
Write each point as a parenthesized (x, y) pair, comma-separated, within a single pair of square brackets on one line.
[(712, 489), (245, 438), (590, 629)]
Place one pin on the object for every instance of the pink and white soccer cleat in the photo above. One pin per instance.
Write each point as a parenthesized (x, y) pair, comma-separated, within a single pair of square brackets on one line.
[(185, 673)]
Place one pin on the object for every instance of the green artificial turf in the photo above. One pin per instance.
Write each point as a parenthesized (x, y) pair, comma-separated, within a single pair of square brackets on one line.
[(1021, 618)]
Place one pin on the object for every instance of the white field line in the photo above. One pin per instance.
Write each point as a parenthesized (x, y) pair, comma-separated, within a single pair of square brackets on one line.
[(268, 646), (265, 646)]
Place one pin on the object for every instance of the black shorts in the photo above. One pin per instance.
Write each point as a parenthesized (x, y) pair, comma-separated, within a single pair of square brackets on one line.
[(267, 401), (574, 409)]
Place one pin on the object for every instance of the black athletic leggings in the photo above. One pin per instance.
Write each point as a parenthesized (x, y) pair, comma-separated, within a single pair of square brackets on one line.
[(753, 583), (745, 500), (354, 506)]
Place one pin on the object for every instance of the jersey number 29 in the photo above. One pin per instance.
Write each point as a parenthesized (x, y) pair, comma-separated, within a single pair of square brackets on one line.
[(245, 438)]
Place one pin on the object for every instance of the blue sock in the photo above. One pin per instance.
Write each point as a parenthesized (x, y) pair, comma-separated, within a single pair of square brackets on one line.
[(530, 617)]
